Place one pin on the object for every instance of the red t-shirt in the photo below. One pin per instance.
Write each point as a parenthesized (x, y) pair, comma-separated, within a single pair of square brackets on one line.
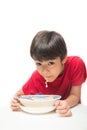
[(74, 74)]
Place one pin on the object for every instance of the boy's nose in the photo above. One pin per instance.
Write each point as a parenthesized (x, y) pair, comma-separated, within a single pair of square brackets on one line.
[(44, 70)]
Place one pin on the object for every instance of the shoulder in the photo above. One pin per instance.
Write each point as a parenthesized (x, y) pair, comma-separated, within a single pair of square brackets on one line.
[(75, 61), (76, 66), (36, 75), (76, 69)]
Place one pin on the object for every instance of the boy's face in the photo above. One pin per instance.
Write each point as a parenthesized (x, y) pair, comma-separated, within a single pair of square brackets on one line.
[(50, 69)]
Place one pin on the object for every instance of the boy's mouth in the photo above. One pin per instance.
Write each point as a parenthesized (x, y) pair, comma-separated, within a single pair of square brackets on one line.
[(49, 79)]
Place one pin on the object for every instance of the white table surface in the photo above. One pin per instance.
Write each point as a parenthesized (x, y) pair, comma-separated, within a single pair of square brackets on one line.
[(10, 120)]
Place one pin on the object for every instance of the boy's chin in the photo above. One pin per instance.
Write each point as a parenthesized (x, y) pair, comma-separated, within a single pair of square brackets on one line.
[(49, 80)]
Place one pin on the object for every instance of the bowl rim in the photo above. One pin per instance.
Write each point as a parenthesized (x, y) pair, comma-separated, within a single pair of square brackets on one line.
[(42, 96)]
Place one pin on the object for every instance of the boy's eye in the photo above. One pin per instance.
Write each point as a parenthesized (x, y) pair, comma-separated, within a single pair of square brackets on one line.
[(38, 64), (51, 63)]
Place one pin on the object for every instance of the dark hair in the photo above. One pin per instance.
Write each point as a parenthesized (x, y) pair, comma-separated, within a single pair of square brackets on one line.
[(48, 45)]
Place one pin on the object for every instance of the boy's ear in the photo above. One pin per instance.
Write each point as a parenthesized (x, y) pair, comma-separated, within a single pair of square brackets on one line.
[(64, 60)]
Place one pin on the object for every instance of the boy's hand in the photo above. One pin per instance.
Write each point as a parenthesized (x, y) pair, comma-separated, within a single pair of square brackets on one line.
[(63, 108), (15, 104)]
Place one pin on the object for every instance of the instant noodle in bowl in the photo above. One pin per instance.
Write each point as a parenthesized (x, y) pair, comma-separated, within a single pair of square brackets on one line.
[(38, 103)]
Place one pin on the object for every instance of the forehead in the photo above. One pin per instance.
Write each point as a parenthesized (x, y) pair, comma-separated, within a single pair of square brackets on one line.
[(47, 61)]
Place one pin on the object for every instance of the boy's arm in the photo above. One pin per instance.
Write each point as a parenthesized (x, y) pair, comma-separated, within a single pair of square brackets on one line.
[(74, 97), (19, 92)]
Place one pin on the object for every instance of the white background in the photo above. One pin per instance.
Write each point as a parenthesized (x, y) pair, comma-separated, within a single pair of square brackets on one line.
[(20, 20)]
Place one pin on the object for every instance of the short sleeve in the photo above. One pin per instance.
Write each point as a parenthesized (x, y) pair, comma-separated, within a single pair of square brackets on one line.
[(78, 71)]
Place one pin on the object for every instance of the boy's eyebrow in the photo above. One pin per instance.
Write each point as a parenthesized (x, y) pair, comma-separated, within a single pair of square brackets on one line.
[(37, 61)]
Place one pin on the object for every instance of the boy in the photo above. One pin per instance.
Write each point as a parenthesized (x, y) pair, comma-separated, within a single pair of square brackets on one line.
[(56, 72)]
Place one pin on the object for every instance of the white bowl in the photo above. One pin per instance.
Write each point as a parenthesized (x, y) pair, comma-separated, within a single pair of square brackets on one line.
[(37, 110), (38, 103)]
